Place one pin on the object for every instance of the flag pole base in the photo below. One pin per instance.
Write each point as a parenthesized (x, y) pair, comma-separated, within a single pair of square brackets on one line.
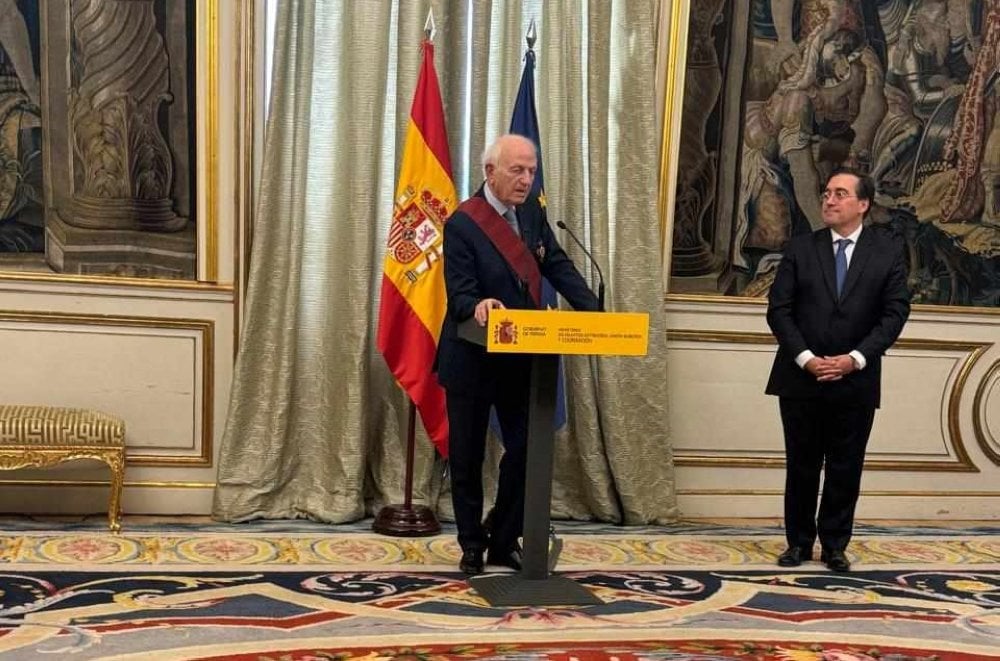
[(406, 521)]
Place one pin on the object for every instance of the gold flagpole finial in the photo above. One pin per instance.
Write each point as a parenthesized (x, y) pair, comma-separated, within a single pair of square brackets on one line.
[(429, 28), (531, 35)]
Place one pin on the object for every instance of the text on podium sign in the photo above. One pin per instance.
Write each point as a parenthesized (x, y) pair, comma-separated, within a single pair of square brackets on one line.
[(563, 331)]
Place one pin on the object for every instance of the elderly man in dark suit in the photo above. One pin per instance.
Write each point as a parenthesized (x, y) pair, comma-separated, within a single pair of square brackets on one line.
[(838, 302), (497, 247)]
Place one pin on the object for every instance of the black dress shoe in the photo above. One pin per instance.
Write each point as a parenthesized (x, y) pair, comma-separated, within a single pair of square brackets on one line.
[(794, 556), (471, 562), (512, 558), (836, 560)]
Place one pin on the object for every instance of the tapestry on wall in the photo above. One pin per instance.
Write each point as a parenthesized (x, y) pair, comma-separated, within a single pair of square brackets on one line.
[(102, 93), (906, 90)]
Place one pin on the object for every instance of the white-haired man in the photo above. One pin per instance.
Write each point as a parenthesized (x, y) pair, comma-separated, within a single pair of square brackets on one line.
[(497, 247)]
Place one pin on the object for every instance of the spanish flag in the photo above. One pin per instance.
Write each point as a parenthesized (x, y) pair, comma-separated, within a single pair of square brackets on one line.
[(413, 295)]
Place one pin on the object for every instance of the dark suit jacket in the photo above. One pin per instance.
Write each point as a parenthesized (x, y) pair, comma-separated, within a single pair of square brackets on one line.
[(804, 312), (474, 270)]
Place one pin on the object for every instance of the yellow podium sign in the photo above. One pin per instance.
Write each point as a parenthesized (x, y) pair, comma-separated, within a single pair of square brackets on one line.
[(563, 331)]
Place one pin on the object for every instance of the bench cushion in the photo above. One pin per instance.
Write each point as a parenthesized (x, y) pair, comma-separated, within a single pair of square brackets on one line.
[(44, 426)]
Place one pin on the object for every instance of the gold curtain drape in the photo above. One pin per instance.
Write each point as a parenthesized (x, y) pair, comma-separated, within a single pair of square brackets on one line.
[(315, 421)]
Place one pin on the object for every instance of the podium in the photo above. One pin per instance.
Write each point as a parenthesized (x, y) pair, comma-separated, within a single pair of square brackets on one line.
[(545, 334)]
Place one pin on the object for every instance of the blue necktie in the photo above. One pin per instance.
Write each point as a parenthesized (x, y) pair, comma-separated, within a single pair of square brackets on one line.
[(840, 263), (511, 217)]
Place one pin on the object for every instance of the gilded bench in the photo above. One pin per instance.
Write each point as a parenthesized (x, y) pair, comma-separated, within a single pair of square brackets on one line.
[(40, 436)]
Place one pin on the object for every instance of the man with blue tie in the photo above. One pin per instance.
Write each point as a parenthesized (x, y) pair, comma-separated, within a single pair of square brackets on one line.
[(497, 247), (838, 302)]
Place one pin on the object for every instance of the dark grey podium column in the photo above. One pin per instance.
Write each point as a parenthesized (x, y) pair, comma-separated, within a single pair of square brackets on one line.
[(534, 585)]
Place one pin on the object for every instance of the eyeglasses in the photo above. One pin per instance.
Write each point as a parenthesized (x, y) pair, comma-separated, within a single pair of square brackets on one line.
[(838, 195)]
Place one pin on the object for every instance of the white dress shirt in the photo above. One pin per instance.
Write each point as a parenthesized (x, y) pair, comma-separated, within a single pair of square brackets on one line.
[(857, 356)]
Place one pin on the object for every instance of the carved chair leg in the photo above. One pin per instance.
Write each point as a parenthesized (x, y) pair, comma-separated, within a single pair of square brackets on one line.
[(117, 464)]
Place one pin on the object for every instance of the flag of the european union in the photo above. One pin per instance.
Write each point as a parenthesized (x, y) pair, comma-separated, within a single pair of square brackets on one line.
[(525, 122)]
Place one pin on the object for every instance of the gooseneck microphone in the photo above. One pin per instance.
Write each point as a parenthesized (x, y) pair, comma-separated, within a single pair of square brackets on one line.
[(600, 276)]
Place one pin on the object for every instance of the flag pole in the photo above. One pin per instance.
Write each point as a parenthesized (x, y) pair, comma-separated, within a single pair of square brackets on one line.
[(409, 520)]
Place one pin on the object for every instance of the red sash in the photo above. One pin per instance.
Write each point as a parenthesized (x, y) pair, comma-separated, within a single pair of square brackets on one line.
[(509, 244)]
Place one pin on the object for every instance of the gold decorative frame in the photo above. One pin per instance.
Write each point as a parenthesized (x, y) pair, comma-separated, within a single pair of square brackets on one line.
[(206, 330), (762, 302), (885, 493), (673, 90), (246, 132), (206, 93), (132, 484), (964, 463), (208, 16), (979, 412)]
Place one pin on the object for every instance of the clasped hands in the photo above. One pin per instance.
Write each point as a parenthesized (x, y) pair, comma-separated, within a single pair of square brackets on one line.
[(483, 308), (831, 368)]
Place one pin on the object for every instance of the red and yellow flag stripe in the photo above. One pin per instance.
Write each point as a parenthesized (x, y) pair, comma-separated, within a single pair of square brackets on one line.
[(413, 294)]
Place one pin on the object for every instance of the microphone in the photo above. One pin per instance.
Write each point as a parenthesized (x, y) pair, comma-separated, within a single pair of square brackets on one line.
[(600, 276)]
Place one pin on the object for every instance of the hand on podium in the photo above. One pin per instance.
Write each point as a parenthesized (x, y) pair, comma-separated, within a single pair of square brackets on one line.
[(483, 308)]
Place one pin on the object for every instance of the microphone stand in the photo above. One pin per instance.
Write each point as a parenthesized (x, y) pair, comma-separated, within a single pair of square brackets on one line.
[(600, 276), (600, 306)]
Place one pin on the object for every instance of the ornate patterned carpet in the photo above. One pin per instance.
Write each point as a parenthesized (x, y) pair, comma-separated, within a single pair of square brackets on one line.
[(294, 591)]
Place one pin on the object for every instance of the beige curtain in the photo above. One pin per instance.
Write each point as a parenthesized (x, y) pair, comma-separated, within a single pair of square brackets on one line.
[(315, 421)]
